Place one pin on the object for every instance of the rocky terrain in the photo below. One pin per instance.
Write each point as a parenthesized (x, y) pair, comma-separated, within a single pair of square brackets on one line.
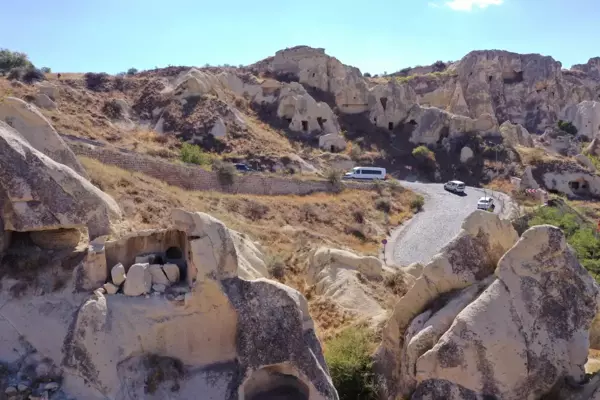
[(117, 285)]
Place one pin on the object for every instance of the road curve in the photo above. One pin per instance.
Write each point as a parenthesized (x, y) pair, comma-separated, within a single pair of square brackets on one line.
[(423, 236)]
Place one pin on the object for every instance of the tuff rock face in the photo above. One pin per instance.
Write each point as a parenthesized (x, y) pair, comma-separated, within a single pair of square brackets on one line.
[(38, 193), (214, 333), (27, 120), (467, 259), (465, 331)]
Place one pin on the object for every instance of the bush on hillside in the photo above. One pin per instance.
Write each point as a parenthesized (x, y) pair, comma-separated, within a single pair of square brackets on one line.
[(13, 59), (348, 356), (567, 127), (439, 66), (383, 204), (334, 177), (15, 74), (418, 203), (367, 75), (193, 154), (46, 70), (32, 75), (225, 172), (112, 109), (132, 71), (96, 81), (582, 238), (424, 156)]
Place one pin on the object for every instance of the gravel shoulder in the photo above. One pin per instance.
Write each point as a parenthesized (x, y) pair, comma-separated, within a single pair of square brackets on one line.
[(423, 236)]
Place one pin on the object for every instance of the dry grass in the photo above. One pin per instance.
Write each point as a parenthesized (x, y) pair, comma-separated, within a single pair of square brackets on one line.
[(290, 227), (534, 155), (500, 185), (593, 364)]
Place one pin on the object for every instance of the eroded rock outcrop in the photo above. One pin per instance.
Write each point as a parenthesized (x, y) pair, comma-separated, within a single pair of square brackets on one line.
[(467, 259), (469, 330), (524, 333), (515, 135), (228, 336), (585, 116), (340, 276), (27, 120), (39, 193)]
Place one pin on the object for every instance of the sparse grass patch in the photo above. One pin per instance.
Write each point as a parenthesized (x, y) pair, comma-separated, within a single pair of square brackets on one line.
[(276, 266)]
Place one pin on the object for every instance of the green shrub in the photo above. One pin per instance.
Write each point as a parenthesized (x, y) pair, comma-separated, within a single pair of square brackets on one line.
[(424, 156), (348, 356), (567, 127), (190, 153), (46, 70), (32, 75), (418, 203), (132, 71), (276, 266), (13, 59)]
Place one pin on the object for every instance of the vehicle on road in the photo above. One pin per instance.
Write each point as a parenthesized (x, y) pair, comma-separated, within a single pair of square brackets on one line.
[(486, 203), (243, 167), (455, 186), (368, 173)]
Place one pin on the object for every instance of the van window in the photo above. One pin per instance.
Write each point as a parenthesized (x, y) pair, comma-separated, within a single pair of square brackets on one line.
[(357, 172), (371, 171)]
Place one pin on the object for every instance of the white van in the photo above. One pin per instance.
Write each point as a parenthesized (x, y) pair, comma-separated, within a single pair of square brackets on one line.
[(366, 173)]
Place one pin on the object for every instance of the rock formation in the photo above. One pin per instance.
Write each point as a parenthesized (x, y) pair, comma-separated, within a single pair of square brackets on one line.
[(467, 329), (515, 135), (39, 193), (38, 132), (340, 275), (585, 116), (211, 332)]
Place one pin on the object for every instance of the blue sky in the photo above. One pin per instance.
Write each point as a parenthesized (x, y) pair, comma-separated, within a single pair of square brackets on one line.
[(374, 35)]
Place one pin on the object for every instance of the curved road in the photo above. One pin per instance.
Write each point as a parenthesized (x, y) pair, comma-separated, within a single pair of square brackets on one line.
[(423, 236)]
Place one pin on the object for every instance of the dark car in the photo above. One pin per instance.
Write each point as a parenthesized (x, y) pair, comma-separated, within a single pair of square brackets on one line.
[(243, 167)]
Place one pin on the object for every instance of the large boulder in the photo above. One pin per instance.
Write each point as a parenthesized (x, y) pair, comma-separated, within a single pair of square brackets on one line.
[(39, 193), (527, 331), (515, 135), (468, 259), (38, 132), (585, 116)]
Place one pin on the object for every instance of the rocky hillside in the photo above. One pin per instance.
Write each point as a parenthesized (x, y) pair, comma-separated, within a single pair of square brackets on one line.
[(305, 111)]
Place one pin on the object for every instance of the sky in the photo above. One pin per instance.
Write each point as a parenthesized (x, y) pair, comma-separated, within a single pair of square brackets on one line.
[(376, 36)]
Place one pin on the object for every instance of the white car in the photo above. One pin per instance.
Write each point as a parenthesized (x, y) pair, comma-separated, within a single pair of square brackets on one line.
[(455, 186), (486, 203)]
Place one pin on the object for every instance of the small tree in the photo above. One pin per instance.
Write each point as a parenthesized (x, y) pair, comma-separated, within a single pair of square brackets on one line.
[(132, 71), (425, 156), (367, 75), (46, 70), (13, 59), (32, 75), (334, 177)]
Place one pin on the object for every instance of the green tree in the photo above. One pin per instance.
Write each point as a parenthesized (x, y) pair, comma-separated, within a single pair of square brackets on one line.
[(132, 71), (191, 153), (46, 70), (13, 59)]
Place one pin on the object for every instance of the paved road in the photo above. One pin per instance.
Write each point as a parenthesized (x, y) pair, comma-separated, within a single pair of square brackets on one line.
[(419, 239)]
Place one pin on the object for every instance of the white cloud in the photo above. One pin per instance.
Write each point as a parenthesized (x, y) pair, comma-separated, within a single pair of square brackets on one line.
[(468, 5)]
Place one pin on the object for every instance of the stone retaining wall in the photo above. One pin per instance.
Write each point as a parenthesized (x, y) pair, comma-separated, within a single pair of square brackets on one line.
[(195, 178)]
